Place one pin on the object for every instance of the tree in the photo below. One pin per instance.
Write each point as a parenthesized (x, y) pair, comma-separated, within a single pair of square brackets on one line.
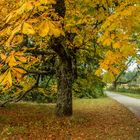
[(62, 28), (118, 79)]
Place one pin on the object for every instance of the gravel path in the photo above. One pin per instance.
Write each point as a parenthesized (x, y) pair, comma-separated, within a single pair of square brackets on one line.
[(129, 102)]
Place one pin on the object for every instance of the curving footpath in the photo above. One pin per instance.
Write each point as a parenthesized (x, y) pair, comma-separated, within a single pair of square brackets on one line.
[(129, 102)]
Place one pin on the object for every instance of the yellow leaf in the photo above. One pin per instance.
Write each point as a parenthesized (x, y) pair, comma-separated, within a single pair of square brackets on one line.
[(21, 59), (29, 6), (98, 72), (16, 30), (116, 45), (17, 40), (54, 30), (107, 42), (47, 1), (26, 7), (9, 17), (11, 61), (19, 53), (3, 56), (108, 77), (2, 77), (27, 29), (44, 29), (18, 73), (19, 70), (7, 80), (128, 50), (115, 70)]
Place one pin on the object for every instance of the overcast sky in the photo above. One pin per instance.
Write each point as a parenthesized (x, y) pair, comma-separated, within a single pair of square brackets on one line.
[(132, 66)]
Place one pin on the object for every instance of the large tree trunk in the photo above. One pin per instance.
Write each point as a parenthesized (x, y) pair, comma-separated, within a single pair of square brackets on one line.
[(65, 78), (66, 66), (64, 95)]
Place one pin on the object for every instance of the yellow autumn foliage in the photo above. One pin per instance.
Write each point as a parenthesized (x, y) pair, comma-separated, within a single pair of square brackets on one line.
[(105, 27)]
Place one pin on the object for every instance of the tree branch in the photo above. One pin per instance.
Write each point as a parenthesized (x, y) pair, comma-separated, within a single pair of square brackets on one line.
[(21, 95), (125, 82)]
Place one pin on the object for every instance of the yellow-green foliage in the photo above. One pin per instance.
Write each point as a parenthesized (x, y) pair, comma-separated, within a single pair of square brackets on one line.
[(110, 24)]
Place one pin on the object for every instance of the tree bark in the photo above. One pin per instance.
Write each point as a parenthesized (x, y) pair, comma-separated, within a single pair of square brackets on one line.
[(64, 94), (64, 71)]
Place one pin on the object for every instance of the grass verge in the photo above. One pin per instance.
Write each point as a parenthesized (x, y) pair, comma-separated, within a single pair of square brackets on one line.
[(134, 95), (93, 119)]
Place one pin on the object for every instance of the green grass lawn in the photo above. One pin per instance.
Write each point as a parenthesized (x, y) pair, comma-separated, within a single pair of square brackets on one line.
[(93, 119), (134, 95)]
